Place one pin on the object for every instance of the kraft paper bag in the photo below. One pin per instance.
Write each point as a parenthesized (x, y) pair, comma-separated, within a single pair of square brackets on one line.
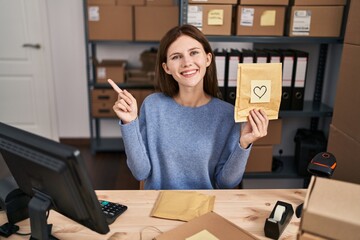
[(182, 205), (258, 87)]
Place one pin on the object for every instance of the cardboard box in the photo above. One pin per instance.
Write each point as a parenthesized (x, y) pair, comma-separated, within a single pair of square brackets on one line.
[(273, 135), (161, 2), (113, 69), (213, 1), (102, 19), (315, 21), (208, 224), (260, 20), (104, 95), (140, 95), (331, 209), (101, 2), (352, 34), (130, 2), (346, 117), (152, 22), (319, 2), (260, 159), (211, 19), (308, 236), (265, 2), (346, 151), (140, 76)]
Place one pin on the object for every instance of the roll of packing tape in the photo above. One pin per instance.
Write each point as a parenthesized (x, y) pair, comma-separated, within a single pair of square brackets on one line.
[(279, 211)]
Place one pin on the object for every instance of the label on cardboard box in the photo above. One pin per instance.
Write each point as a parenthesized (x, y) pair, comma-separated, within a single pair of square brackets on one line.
[(247, 17), (93, 12), (194, 17), (101, 72), (301, 23)]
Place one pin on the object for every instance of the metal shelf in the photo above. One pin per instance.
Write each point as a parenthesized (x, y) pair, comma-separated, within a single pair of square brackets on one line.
[(310, 109), (287, 40), (123, 85)]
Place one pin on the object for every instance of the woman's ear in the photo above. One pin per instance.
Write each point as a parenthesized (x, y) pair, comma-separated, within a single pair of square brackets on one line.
[(165, 67), (208, 59)]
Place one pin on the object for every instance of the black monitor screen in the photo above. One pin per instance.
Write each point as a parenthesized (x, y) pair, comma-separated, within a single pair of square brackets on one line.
[(51, 173)]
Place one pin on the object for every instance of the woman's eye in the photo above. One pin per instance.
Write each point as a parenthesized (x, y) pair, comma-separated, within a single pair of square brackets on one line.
[(193, 53), (175, 57)]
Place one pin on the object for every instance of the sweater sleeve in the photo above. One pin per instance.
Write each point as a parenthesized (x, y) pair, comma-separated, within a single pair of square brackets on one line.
[(137, 158), (231, 167)]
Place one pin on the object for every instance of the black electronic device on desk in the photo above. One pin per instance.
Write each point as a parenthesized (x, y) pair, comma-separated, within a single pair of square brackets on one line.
[(54, 176), (322, 165)]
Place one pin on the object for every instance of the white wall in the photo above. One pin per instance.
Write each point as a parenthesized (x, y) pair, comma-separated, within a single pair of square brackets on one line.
[(69, 67)]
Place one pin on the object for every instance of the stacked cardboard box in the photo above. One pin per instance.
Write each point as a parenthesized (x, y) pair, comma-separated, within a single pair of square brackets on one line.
[(155, 19), (316, 18), (330, 211), (344, 136), (261, 155), (212, 17), (261, 17), (140, 20), (104, 99)]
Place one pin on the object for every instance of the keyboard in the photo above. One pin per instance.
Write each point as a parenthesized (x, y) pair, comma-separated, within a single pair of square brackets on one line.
[(111, 210)]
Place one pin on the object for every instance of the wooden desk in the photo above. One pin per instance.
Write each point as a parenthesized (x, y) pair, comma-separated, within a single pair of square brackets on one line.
[(246, 208)]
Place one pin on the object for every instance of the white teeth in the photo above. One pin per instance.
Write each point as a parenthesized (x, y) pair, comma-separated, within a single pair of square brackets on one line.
[(189, 72)]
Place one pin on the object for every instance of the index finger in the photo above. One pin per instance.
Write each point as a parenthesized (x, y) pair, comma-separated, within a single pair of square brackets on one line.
[(114, 86)]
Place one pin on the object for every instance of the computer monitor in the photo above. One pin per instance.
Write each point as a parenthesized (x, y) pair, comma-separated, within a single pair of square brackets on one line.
[(54, 176)]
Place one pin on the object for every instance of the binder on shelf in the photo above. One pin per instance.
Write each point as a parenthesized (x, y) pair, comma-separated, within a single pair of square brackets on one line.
[(287, 59), (247, 56), (233, 61), (260, 56), (273, 56), (299, 79), (221, 70)]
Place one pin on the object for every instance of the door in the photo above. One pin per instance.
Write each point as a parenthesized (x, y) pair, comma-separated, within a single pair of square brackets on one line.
[(27, 98)]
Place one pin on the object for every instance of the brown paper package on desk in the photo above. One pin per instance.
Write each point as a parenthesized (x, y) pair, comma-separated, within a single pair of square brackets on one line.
[(258, 87), (182, 205)]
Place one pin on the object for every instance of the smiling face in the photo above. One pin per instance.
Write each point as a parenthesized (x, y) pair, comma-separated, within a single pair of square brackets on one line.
[(187, 62)]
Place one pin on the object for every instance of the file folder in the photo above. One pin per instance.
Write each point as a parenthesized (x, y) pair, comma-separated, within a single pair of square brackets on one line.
[(273, 56), (261, 56), (221, 70), (287, 59), (233, 61), (299, 79), (247, 56)]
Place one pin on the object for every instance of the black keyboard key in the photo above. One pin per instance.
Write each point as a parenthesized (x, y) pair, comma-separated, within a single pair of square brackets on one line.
[(112, 210)]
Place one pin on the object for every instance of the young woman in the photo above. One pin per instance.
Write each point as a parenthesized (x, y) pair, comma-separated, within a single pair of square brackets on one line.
[(185, 137)]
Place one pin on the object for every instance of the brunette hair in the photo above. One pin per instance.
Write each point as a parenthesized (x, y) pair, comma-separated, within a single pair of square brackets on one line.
[(165, 82)]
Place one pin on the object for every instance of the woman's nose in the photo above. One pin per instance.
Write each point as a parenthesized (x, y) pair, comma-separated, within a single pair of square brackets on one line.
[(187, 61)]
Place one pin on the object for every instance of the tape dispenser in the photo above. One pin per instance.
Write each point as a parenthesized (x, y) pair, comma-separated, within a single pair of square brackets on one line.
[(279, 218)]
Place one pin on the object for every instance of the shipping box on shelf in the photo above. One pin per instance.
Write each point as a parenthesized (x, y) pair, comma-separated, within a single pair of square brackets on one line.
[(345, 117), (152, 22), (161, 2), (107, 21), (346, 151), (257, 18), (102, 101), (260, 159), (315, 21), (211, 19), (130, 2), (331, 209), (273, 134), (113, 69), (140, 76), (352, 34), (214, 1)]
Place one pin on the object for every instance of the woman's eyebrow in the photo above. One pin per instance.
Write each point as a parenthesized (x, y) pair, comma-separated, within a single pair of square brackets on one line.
[(190, 49)]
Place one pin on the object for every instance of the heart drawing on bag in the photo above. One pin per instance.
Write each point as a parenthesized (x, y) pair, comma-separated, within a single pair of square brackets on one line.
[(260, 91)]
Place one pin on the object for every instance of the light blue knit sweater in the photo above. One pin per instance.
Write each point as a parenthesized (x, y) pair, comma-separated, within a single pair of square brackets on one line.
[(177, 147)]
